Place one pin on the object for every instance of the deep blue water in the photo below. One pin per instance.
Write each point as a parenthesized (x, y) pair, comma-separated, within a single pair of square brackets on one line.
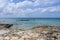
[(27, 23)]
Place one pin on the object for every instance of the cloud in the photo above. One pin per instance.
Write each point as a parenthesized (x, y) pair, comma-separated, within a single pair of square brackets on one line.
[(28, 8), (46, 2)]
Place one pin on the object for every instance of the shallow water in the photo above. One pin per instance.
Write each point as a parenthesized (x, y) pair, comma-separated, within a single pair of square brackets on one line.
[(27, 23)]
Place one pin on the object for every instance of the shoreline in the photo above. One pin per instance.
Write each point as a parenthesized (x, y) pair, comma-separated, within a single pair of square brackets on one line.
[(37, 33)]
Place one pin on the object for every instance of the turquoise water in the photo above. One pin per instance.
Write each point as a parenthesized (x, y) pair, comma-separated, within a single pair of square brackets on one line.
[(28, 23)]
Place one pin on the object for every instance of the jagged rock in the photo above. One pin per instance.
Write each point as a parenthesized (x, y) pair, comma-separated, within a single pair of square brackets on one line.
[(40, 33), (5, 25)]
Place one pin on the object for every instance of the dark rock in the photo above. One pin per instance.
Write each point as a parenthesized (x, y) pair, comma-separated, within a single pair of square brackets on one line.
[(5, 25)]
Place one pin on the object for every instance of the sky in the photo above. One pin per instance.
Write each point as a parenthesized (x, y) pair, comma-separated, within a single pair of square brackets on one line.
[(29, 8)]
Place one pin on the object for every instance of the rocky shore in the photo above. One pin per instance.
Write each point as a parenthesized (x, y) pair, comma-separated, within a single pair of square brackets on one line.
[(37, 33), (5, 26)]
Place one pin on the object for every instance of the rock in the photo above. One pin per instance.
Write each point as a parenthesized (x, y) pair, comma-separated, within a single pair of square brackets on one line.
[(3, 31), (1, 38), (8, 25), (5, 26), (42, 33), (7, 38), (14, 38)]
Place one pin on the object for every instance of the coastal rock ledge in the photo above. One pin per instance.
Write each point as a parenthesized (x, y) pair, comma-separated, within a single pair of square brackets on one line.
[(38, 33), (2, 26)]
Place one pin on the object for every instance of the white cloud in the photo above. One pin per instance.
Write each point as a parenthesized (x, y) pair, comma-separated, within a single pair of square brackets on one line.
[(26, 8), (54, 9), (45, 2)]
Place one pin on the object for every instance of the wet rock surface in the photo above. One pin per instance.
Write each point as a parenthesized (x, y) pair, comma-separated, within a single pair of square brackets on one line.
[(40, 33), (5, 26)]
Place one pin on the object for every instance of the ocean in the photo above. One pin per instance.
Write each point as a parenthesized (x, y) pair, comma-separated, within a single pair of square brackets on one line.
[(27, 23)]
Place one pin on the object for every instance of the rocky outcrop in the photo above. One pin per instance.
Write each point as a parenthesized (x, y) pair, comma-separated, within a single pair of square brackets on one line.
[(39, 33), (5, 25)]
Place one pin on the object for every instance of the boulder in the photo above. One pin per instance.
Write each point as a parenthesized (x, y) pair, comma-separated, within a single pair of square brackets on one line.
[(5, 25)]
